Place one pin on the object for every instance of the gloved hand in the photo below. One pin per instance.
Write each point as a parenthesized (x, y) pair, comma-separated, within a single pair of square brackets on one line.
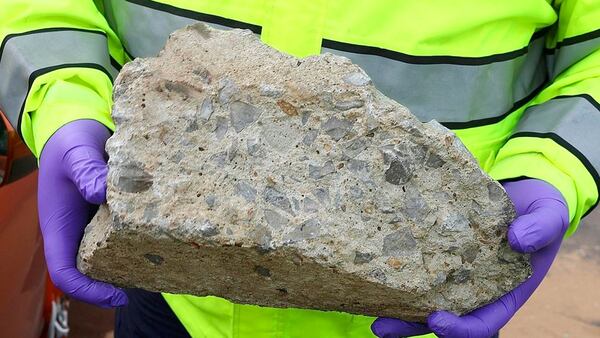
[(71, 182), (542, 219)]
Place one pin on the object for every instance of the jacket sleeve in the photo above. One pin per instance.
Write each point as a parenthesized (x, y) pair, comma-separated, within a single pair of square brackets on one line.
[(557, 135), (57, 62)]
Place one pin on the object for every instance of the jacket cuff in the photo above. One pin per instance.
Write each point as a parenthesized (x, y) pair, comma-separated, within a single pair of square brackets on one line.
[(61, 97), (543, 159)]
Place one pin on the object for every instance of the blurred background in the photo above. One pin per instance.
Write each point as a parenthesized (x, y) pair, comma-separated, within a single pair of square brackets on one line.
[(566, 305)]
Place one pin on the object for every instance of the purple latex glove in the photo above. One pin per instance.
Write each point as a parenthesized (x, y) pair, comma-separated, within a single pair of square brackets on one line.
[(542, 220), (71, 182)]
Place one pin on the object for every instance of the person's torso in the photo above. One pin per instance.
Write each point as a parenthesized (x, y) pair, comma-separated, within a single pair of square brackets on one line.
[(465, 63)]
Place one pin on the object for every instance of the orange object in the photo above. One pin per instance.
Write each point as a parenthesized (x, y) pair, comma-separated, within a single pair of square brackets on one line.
[(22, 267)]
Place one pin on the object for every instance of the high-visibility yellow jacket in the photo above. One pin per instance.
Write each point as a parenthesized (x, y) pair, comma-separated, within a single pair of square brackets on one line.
[(517, 80)]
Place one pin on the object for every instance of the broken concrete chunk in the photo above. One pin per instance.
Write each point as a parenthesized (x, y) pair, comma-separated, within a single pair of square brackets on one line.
[(292, 176)]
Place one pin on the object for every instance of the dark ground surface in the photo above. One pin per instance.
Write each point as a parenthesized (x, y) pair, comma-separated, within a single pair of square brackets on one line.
[(566, 305)]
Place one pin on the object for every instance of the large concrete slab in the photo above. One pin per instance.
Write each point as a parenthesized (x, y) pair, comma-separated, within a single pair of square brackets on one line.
[(241, 172)]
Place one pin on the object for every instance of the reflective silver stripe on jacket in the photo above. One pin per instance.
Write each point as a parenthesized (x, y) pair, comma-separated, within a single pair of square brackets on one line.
[(451, 93), (25, 56), (144, 31), (567, 55), (572, 118)]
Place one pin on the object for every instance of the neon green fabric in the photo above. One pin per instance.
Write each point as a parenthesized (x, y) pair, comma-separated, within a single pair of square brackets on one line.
[(431, 27), (420, 28), (69, 92), (576, 17), (297, 27), (543, 158), (73, 94), (221, 318)]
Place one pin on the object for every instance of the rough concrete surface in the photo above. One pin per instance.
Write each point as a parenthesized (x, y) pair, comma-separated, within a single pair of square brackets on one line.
[(241, 172), (567, 303)]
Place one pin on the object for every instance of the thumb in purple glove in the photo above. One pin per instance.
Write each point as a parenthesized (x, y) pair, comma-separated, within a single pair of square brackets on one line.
[(542, 220), (71, 182)]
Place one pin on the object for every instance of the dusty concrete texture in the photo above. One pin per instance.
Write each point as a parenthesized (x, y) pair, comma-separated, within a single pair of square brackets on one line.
[(241, 172), (567, 304)]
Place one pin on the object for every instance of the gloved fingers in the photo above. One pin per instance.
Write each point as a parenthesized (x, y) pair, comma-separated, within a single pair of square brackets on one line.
[(541, 261), (490, 318), (395, 328), (76, 151), (63, 231), (63, 216), (83, 288), (535, 230), (448, 325), (72, 175), (86, 167), (542, 221)]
